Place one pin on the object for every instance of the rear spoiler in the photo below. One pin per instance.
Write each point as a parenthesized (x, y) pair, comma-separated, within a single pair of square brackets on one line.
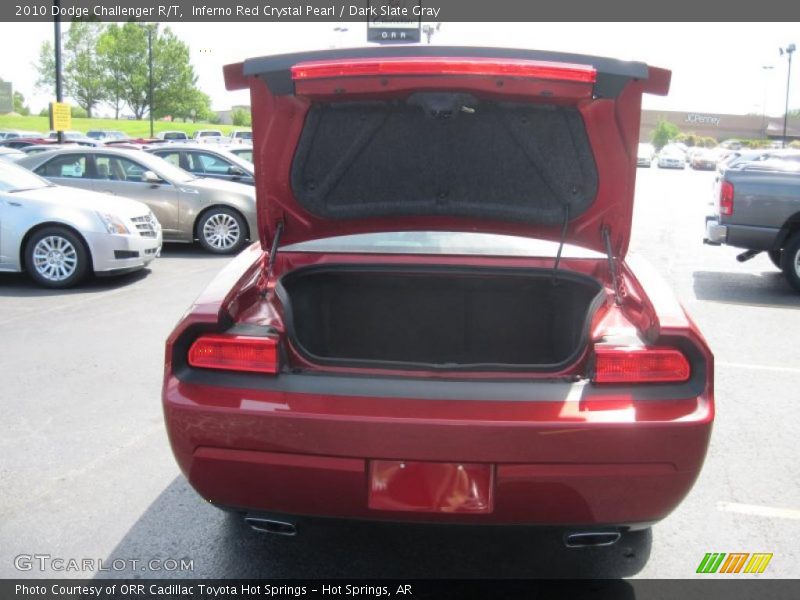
[(612, 75)]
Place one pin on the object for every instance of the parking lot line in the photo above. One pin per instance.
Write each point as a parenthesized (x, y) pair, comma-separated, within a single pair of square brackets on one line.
[(722, 363), (759, 511)]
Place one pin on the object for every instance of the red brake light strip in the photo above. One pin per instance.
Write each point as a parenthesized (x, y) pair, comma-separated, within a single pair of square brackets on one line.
[(361, 67)]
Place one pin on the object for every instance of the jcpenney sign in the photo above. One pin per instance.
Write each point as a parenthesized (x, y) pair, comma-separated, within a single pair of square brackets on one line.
[(705, 119)]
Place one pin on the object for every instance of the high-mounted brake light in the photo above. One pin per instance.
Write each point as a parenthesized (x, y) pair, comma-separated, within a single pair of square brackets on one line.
[(365, 67), (726, 199), (615, 364), (235, 353)]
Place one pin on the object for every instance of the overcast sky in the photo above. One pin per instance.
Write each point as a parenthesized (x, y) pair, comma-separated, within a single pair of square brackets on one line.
[(716, 67)]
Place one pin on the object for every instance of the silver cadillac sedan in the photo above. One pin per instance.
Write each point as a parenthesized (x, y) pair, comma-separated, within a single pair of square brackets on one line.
[(59, 234), (220, 214)]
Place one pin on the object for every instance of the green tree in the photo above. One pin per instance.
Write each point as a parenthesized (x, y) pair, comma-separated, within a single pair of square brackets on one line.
[(125, 57), (241, 117), (83, 75), (663, 133), (115, 55), (19, 104), (175, 91), (46, 68)]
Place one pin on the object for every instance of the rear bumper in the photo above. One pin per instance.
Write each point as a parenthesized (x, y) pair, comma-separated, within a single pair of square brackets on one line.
[(566, 462), (716, 234), (740, 236)]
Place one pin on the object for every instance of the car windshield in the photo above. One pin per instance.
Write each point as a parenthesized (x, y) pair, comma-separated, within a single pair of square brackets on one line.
[(439, 242), (14, 178)]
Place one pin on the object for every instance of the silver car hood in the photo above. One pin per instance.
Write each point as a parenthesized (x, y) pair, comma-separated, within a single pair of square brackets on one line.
[(87, 200)]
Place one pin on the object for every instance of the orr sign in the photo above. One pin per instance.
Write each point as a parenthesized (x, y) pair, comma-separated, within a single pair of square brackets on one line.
[(394, 21)]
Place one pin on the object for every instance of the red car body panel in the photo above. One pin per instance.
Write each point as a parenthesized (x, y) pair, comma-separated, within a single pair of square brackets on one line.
[(435, 445)]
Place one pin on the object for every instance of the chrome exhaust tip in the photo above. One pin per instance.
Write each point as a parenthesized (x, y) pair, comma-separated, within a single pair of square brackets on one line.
[(591, 539), (263, 525)]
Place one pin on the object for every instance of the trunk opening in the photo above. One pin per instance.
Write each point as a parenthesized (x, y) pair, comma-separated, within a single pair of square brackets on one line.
[(442, 318)]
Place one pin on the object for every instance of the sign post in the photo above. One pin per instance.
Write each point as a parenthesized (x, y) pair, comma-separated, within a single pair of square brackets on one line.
[(394, 21)]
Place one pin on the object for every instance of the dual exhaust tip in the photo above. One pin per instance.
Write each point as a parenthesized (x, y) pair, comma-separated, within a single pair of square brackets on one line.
[(576, 539), (591, 539), (264, 525)]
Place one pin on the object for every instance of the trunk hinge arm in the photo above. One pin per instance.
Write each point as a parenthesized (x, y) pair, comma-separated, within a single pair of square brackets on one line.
[(612, 265), (561, 241), (273, 251)]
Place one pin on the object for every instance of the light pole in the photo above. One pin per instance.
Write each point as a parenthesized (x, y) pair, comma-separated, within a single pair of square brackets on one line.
[(57, 45), (788, 50), (150, 69), (149, 28), (337, 43), (767, 69), (429, 30)]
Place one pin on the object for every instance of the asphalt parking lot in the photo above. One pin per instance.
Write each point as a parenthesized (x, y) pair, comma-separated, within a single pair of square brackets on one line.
[(87, 472)]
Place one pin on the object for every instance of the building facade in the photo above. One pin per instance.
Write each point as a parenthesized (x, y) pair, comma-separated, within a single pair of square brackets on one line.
[(720, 126)]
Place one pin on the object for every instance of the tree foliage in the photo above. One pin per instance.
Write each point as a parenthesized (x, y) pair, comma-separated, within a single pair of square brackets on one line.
[(241, 117), (111, 64), (663, 133)]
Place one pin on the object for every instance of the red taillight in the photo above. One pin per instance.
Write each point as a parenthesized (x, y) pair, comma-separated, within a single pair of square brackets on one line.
[(726, 199), (235, 353), (444, 66), (616, 364)]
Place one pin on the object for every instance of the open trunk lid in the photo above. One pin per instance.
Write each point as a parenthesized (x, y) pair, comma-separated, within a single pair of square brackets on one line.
[(515, 142)]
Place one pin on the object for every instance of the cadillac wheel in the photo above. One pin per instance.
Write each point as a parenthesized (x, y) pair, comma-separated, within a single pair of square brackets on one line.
[(55, 257), (222, 231)]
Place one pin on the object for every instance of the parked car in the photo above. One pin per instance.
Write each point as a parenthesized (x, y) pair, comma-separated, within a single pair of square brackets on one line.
[(703, 159), (242, 136), (205, 136), (19, 143), (207, 161), (372, 360), (644, 155), (11, 154), (172, 136), (58, 235), (243, 152), (671, 157), (16, 133), (104, 135), (68, 135), (757, 207), (220, 214)]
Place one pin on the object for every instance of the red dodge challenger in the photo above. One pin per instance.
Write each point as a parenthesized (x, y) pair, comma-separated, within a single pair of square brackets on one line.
[(440, 323)]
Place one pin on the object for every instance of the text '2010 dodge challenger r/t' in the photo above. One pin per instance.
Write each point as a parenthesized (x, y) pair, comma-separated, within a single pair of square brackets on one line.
[(396, 350)]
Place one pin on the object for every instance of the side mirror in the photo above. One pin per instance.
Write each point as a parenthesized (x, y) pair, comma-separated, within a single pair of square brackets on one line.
[(151, 177), (235, 171)]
